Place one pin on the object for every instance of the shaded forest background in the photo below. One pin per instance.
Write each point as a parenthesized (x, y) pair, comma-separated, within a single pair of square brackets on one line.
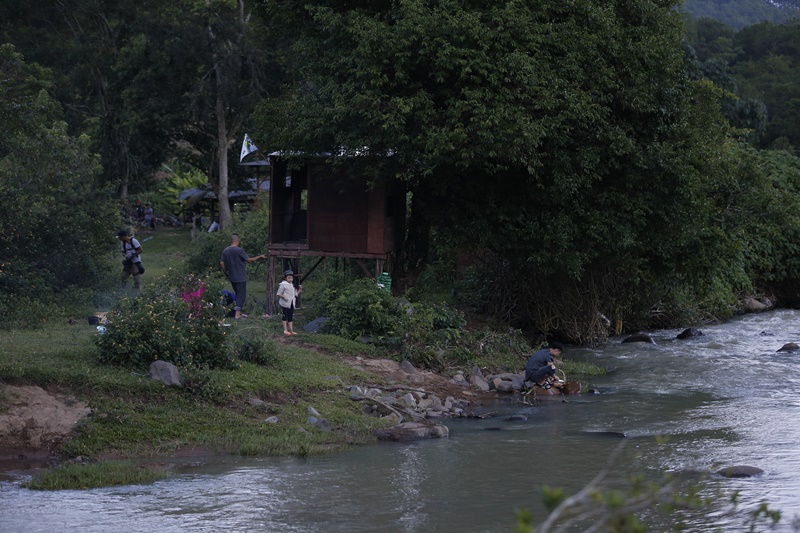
[(600, 163), (741, 13)]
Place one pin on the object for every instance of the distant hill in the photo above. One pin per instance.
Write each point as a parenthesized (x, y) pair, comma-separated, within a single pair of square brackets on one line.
[(741, 13)]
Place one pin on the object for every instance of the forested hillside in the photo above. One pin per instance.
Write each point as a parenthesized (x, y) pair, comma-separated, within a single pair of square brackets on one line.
[(760, 66), (573, 151), (740, 13)]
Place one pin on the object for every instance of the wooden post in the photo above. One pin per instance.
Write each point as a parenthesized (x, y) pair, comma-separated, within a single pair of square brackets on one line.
[(269, 304)]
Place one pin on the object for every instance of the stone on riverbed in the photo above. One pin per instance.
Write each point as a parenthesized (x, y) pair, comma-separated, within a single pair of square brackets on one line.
[(789, 347), (689, 333), (409, 431)]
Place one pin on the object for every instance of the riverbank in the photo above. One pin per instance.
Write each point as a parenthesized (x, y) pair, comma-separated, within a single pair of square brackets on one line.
[(60, 406)]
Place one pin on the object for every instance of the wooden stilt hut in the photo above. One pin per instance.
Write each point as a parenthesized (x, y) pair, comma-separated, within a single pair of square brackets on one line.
[(318, 211)]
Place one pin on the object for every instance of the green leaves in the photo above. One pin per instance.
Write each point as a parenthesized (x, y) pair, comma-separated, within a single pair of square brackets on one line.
[(162, 325), (565, 138), (54, 220)]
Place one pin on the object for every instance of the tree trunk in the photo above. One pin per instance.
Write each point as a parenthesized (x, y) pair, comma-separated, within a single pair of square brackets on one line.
[(225, 217), (413, 255)]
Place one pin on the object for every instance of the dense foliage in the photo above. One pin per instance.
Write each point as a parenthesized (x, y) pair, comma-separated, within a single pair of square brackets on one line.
[(760, 67), (163, 324), (576, 153), (252, 228), (741, 13), (53, 219), (147, 81), (561, 138)]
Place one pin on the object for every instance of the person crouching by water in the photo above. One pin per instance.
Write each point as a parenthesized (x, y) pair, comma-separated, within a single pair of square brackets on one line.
[(234, 265), (287, 293), (541, 367), (131, 259)]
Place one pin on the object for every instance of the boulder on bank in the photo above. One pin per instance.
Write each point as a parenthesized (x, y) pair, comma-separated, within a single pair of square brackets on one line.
[(751, 305), (166, 373), (407, 367), (410, 431), (479, 382)]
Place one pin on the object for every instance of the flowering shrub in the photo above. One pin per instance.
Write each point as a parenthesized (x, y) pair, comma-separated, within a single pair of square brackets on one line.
[(161, 324)]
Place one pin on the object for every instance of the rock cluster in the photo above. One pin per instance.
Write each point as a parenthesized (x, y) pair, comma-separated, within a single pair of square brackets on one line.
[(408, 403), (404, 404)]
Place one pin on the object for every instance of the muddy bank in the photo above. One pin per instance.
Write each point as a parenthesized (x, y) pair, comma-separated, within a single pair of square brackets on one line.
[(34, 421)]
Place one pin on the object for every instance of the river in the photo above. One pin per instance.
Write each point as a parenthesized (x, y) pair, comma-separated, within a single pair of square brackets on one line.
[(684, 407)]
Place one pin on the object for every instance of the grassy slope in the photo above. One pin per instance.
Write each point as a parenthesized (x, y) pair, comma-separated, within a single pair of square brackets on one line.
[(135, 416)]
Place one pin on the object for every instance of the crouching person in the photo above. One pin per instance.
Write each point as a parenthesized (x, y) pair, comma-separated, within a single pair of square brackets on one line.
[(541, 367)]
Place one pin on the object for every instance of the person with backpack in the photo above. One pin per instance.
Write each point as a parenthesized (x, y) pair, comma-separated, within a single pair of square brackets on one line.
[(131, 259)]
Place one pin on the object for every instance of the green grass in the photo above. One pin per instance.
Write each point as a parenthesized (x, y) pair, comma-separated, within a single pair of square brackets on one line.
[(90, 476), (135, 416), (163, 249)]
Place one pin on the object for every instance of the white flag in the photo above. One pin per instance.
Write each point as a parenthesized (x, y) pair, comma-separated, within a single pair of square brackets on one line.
[(247, 147)]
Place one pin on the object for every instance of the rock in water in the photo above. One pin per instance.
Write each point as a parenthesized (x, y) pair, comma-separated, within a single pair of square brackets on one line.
[(740, 471), (410, 431), (640, 337)]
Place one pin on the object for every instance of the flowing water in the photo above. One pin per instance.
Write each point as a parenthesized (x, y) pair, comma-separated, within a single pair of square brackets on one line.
[(684, 407)]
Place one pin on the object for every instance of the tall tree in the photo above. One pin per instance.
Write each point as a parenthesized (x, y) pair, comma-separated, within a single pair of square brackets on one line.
[(121, 77), (232, 84), (554, 134), (148, 80), (55, 220)]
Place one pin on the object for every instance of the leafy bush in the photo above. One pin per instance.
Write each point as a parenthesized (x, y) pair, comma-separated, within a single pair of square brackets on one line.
[(160, 325), (24, 312), (362, 309), (254, 350), (204, 383), (204, 258), (445, 317), (422, 332)]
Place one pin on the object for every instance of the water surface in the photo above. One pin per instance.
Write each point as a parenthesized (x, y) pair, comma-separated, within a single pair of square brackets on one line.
[(681, 407)]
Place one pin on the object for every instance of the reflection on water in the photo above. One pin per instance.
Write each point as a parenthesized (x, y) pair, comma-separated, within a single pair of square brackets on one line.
[(723, 399)]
